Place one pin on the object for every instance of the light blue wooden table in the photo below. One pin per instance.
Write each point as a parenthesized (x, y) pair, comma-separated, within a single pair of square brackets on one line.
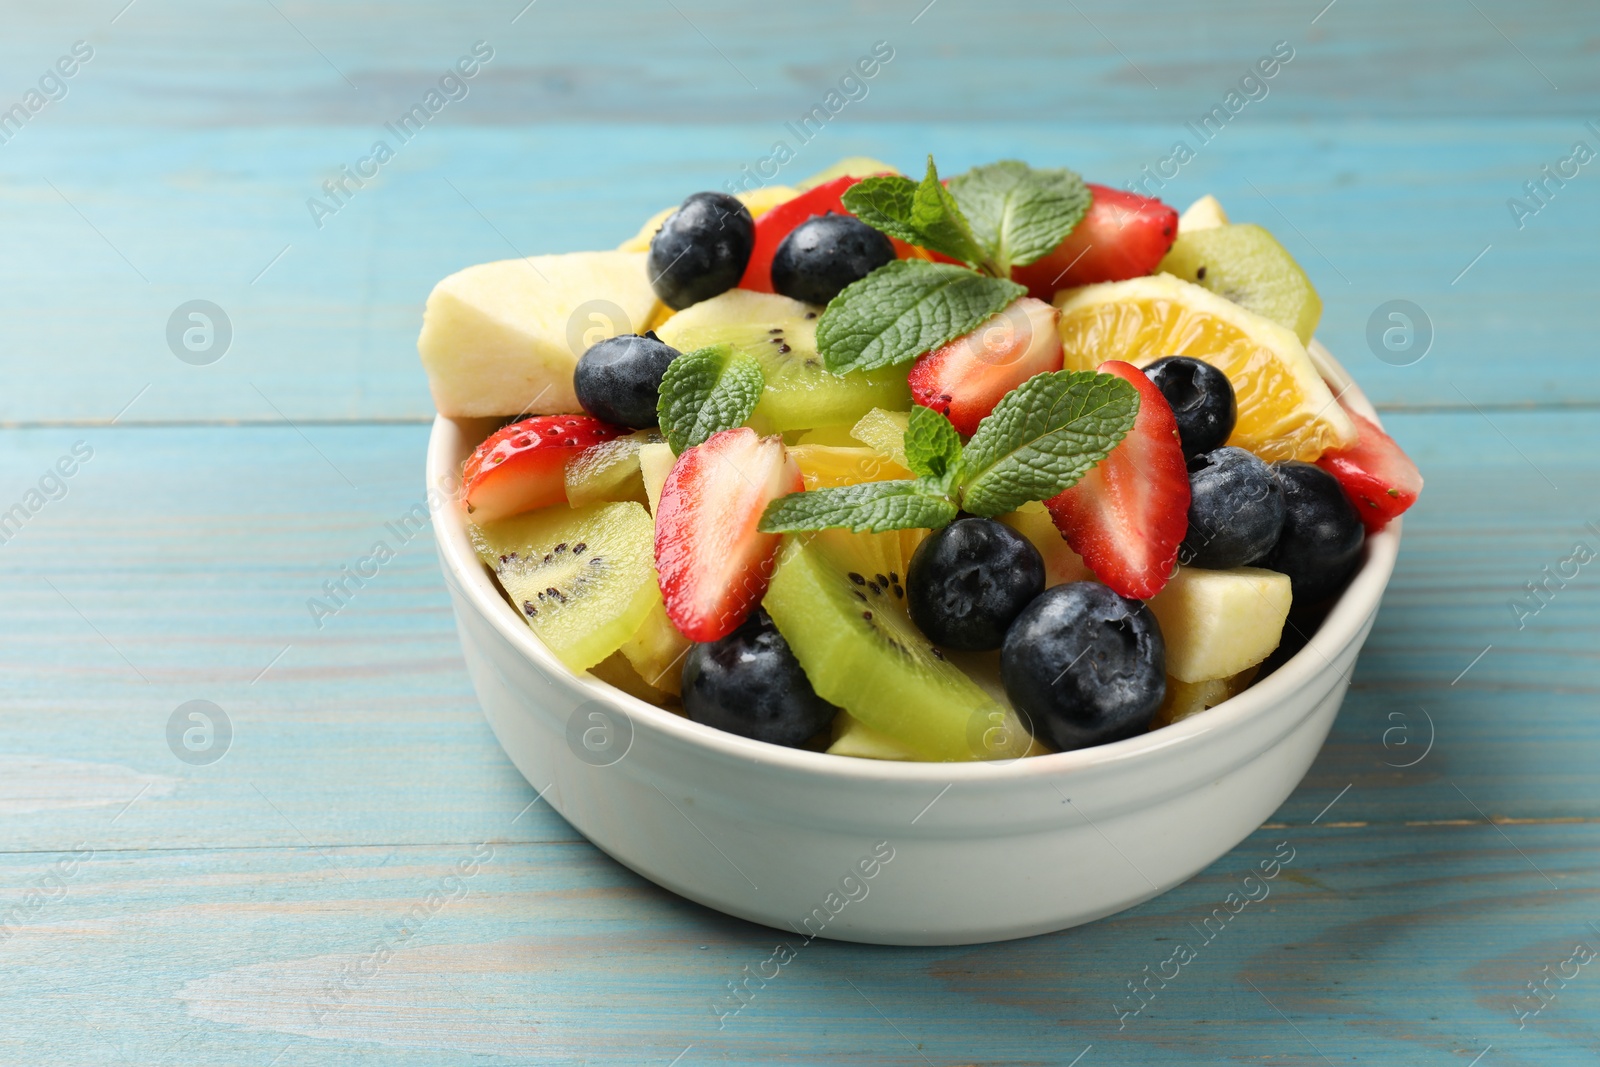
[(157, 911)]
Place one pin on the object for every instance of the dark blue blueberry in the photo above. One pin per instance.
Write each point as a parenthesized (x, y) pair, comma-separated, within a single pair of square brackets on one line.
[(750, 684), (701, 250), (824, 254), (1202, 401), (1085, 666), (1235, 510), (1320, 545), (967, 582), (618, 380)]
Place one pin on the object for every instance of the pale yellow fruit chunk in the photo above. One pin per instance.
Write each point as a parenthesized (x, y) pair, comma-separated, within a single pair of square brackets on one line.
[(1204, 214), (884, 432), (1061, 564), (759, 201), (1286, 411), (657, 651), (850, 166), (827, 466), (503, 338), (1217, 623), (655, 463), (1184, 699)]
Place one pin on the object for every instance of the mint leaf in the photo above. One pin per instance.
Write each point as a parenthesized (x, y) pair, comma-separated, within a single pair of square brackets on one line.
[(904, 309), (933, 448), (1043, 436), (920, 213), (867, 507), (707, 390), (1020, 214)]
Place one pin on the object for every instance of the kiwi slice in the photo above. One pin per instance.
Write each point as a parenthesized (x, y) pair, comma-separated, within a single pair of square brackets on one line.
[(782, 335), (838, 599), (609, 470), (1246, 264), (583, 578)]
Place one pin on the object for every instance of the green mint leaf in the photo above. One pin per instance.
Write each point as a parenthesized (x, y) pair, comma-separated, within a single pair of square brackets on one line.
[(868, 507), (707, 390), (904, 309), (933, 448), (920, 213), (1017, 213), (1043, 436)]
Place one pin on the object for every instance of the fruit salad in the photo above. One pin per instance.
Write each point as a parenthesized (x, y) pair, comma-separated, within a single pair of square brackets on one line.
[(914, 468)]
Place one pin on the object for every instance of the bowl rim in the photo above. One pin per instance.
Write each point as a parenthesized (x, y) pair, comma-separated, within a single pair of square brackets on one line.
[(1338, 631)]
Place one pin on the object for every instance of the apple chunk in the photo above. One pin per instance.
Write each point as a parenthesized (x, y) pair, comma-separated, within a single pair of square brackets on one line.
[(1217, 623), (503, 338)]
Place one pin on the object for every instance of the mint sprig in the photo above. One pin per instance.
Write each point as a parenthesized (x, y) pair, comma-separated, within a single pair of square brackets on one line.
[(707, 390), (904, 309), (1040, 439), (920, 213), (1043, 436), (867, 507), (933, 448), (1019, 214)]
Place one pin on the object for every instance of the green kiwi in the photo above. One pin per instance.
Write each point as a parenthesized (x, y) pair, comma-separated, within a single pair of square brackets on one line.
[(782, 335), (838, 599), (583, 578), (609, 470), (1246, 264)]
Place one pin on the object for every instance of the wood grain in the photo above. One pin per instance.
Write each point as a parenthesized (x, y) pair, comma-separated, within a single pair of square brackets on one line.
[(157, 911)]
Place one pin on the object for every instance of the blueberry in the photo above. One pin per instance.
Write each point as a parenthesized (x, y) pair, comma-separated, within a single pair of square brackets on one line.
[(701, 250), (967, 582), (750, 684), (1235, 510), (1322, 536), (1202, 400), (1085, 666), (824, 254), (618, 380)]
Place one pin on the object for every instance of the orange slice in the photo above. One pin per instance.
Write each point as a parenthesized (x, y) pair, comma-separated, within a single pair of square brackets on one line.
[(1286, 411)]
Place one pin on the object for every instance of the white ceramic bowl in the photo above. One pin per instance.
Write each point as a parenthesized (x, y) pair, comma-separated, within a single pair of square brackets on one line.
[(894, 853)]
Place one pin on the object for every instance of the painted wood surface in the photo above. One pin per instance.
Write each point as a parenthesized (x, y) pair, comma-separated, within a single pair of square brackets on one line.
[(153, 911)]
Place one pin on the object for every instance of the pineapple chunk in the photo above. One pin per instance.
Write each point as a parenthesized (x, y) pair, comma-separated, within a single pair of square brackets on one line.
[(503, 339), (1217, 623), (657, 650), (1184, 699), (884, 431), (655, 463), (1061, 564), (1204, 214)]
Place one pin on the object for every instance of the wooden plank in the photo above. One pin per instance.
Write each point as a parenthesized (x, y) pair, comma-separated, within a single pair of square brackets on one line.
[(1377, 944), (192, 552), (183, 63), (1376, 212)]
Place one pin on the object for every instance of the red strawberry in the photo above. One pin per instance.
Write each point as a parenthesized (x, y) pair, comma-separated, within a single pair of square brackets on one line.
[(522, 466), (966, 378), (1127, 515), (1380, 479), (713, 562), (778, 222), (1123, 235)]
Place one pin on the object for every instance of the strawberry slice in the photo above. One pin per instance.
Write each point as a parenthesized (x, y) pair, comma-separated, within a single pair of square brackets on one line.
[(966, 378), (1127, 515), (522, 466), (713, 563), (1379, 478), (1123, 235), (777, 223)]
